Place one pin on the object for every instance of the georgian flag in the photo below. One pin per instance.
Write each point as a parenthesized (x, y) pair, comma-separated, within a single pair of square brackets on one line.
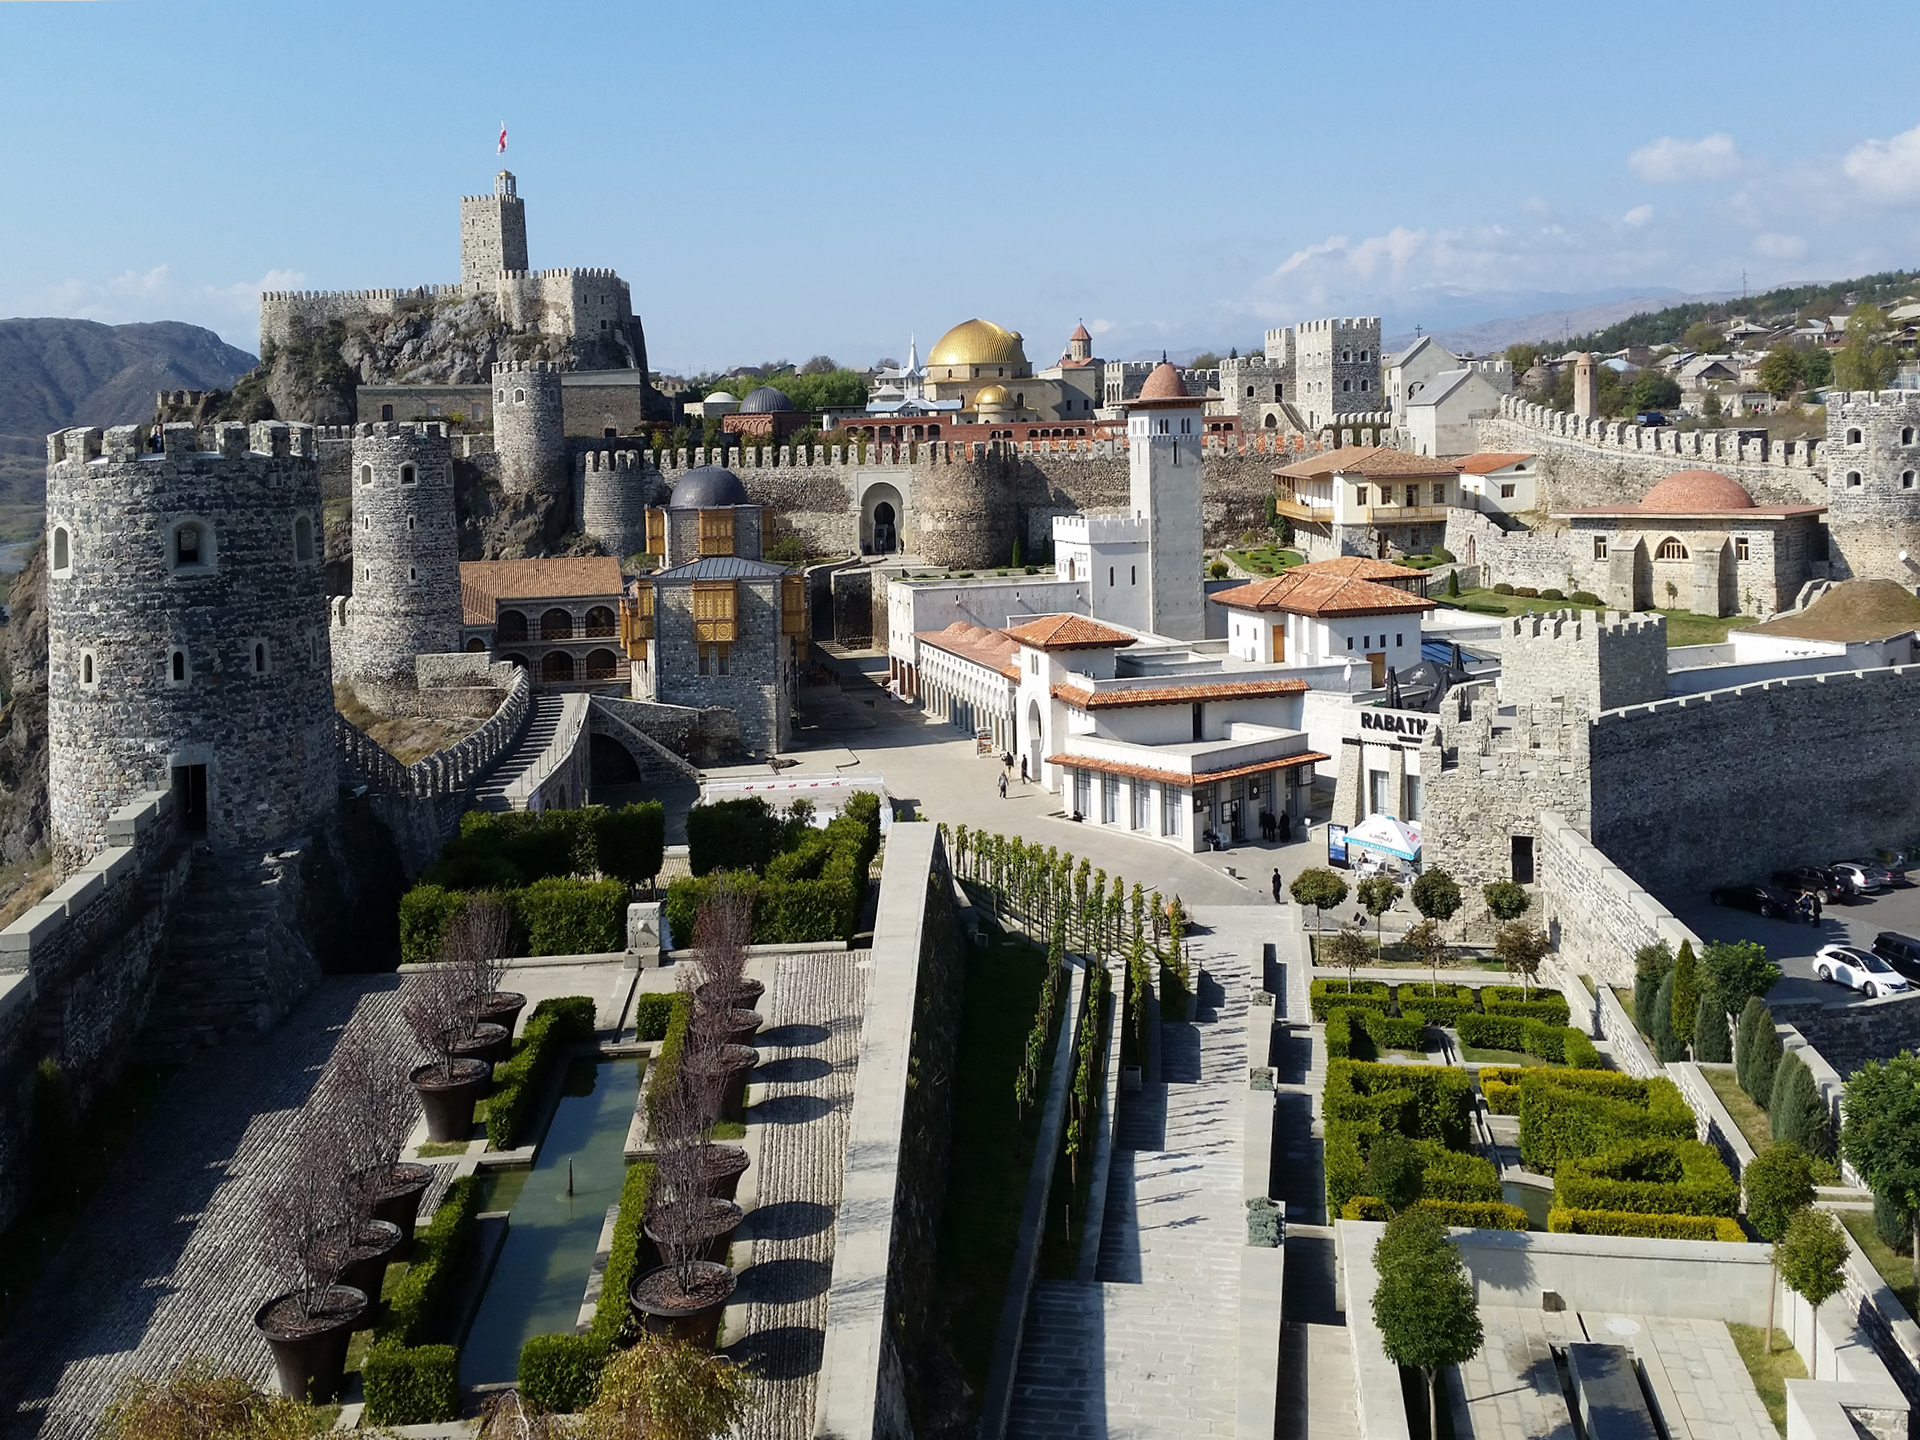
[(503, 139)]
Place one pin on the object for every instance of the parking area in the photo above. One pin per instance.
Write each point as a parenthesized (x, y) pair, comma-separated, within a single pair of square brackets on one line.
[(1790, 945)]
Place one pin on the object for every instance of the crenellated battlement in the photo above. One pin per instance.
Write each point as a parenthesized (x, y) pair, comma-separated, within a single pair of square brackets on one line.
[(224, 440), (1723, 446), (1574, 627), (417, 292), (1335, 325), (571, 273), (528, 367)]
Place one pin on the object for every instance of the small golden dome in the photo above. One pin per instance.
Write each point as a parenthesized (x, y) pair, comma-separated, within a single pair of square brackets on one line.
[(994, 397), (978, 342)]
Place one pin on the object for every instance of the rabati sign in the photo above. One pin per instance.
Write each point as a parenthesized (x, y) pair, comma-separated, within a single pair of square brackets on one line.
[(1401, 723)]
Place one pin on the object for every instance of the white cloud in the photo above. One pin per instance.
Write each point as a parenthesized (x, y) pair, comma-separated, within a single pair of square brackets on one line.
[(1638, 215), (231, 309), (1668, 161), (1887, 169), (1099, 327), (1776, 246)]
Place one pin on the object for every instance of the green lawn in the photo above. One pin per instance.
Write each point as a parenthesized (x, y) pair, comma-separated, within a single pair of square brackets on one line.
[(1686, 628), (1265, 560), (1683, 626), (1770, 1372), (993, 1148), (1753, 1121), (1896, 1269), (1485, 602), (1474, 1055)]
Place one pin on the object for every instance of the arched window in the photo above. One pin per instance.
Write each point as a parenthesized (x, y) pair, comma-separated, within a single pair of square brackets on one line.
[(1853, 436), (599, 621), (557, 667), (476, 646), (62, 550), (407, 475), (86, 668), (177, 666), (1853, 479), (303, 539), (1272, 422), (602, 665), (1671, 549), (192, 546), (366, 474), (512, 626), (1906, 435), (519, 397), (259, 657), (386, 412), (409, 522), (519, 660), (556, 624)]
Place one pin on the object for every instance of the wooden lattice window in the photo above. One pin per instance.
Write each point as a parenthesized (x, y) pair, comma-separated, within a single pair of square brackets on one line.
[(636, 620), (656, 532), (1671, 549), (715, 613), (716, 532), (793, 605)]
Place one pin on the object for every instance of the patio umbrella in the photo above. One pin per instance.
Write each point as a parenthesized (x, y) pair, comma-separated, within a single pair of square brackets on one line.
[(1384, 833)]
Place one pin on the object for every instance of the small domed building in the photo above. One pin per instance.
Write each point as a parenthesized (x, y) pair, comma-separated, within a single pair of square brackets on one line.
[(766, 416), (1696, 541), (718, 625)]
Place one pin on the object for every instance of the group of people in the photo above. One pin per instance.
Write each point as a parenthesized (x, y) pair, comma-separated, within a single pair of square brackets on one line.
[(1276, 827), (1006, 772), (1808, 907)]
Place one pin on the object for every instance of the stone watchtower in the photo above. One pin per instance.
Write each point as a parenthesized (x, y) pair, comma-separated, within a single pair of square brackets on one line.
[(493, 235), (1164, 435), (529, 434), (1588, 663), (406, 553), (610, 499), (187, 632), (1586, 386)]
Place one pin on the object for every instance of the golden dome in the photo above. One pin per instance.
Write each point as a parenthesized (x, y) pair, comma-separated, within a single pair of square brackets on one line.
[(994, 397), (978, 342)]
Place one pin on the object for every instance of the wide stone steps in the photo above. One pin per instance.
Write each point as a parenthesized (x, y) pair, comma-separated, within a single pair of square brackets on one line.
[(542, 727)]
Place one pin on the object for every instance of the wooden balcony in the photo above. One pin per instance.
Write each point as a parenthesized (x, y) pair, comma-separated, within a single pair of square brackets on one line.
[(1296, 509), (1399, 514)]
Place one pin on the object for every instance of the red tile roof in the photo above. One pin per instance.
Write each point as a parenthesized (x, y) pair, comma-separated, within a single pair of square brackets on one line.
[(1180, 781), (976, 643), (1069, 632), (1163, 383), (1382, 460), (1357, 567), (1487, 462), (1322, 595), (1251, 689), (482, 582)]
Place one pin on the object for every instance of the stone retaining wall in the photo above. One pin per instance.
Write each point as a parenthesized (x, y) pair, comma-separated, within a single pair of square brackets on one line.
[(1596, 914)]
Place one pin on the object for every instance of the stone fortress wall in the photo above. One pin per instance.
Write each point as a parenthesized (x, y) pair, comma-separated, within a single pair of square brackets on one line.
[(406, 555), (185, 628), (285, 314)]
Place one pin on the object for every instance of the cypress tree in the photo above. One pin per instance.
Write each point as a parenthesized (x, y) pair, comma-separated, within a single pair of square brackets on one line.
[(1799, 1111), (1764, 1062), (1745, 1038), (1710, 1041), (1894, 1222), (1650, 966), (1666, 1044), (1686, 992)]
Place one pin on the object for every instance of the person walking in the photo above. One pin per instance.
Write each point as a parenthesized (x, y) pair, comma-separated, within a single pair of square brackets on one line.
[(1278, 898), (1023, 769), (1286, 828), (1003, 784)]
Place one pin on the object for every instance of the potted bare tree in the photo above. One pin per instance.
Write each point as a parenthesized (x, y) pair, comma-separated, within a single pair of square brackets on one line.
[(303, 1217), (367, 1085), (684, 1296), (717, 1059), (449, 1084), (722, 931), (476, 944)]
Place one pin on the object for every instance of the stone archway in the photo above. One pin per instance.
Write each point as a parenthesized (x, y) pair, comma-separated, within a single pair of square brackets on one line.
[(1036, 738), (882, 519)]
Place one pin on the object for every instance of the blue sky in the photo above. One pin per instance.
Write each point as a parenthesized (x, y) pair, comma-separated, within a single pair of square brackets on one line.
[(784, 180)]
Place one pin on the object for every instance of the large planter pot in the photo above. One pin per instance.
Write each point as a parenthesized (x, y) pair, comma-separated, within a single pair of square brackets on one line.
[(397, 1200), (715, 1221), (661, 1308), (489, 1042), (741, 1026), (745, 996), (721, 1166), (723, 1071), (375, 1243), (310, 1356), (448, 1102), (501, 1008)]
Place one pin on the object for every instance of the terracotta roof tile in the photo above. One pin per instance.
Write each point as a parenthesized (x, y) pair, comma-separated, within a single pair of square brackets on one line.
[(1069, 632), (483, 582), (1357, 567), (1251, 689), (1381, 460), (1488, 461), (1176, 778), (1322, 595), (976, 643)]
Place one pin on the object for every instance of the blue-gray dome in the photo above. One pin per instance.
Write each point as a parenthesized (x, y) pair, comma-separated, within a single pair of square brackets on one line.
[(765, 401), (708, 488)]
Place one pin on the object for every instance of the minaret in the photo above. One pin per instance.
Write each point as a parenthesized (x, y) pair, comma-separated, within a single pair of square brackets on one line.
[(1163, 467)]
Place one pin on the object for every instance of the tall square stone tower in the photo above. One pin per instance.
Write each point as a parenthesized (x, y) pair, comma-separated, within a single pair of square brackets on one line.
[(1164, 434), (493, 234)]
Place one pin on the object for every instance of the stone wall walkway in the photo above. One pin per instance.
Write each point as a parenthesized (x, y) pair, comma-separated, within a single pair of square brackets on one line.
[(807, 1058), (165, 1262), (1151, 1348)]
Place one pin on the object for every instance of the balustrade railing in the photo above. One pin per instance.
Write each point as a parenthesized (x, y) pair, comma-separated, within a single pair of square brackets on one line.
[(451, 771)]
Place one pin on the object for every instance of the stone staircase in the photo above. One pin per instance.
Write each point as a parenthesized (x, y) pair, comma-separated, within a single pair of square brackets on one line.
[(543, 729), (234, 960)]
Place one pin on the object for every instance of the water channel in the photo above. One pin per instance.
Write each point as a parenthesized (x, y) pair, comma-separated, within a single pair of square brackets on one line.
[(1533, 1199), (542, 1272)]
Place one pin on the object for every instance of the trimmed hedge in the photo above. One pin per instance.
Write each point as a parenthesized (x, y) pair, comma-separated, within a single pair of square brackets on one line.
[(1655, 1227), (1454, 1175), (651, 1014), (1561, 1044), (1326, 995), (1422, 1102), (408, 1383), (558, 1373), (1357, 1033), (810, 892), (1569, 1113), (1664, 1177), (1500, 1088), (553, 1026), (573, 917), (1494, 1215), (666, 1062), (1512, 1000), (425, 913), (1446, 1008), (1581, 1052)]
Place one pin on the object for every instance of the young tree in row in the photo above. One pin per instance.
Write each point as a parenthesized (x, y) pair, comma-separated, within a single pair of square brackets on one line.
[(1377, 895), (1880, 1133), (1321, 889), (1778, 1183), (1685, 1001), (1507, 899), (1812, 1256), (1436, 895), (1428, 946), (1521, 948), (1348, 949), (1423, 1303), (1756, 1057), (1798, 1111)]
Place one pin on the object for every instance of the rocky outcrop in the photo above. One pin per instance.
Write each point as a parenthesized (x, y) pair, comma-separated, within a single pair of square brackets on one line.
[(23, 715)]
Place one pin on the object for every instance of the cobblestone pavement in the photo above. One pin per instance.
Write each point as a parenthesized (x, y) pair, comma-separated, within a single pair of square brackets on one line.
[(1151, 1348), (807, 1057), (165, 1262)]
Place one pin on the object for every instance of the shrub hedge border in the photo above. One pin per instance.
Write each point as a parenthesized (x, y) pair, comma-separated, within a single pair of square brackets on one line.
[(1491, 1215), (1565, 1113), (1705, 1186), (1653, 1227), (407, 1383), (555, 1025)]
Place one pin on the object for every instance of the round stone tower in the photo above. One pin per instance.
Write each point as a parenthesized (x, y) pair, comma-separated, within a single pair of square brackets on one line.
[(529, 433), (187, 632), (406, 552), (964, 511), (614, 490)]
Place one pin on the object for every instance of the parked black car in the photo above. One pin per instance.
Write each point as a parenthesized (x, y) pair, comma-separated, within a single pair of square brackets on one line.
[(1809, 878), (1763, 900), (1902, 952)]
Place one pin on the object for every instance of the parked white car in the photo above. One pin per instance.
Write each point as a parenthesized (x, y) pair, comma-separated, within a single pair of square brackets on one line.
[(1860, 970), (1860, 877)]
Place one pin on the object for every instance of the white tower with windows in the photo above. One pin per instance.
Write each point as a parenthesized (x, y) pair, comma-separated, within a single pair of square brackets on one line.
[(1164, 433)]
